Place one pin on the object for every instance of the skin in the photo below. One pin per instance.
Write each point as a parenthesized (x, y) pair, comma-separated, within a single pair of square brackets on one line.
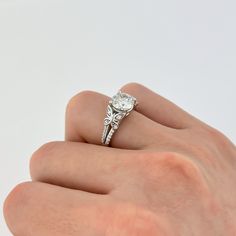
[(166, 174)]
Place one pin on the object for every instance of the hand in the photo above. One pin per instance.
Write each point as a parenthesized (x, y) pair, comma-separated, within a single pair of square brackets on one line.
[(166, 174)]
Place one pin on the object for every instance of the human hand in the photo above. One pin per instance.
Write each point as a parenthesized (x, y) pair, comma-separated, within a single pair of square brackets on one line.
[(166, 174)]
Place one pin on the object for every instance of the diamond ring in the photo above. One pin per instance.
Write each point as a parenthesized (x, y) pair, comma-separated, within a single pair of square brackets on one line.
[(119, 107)]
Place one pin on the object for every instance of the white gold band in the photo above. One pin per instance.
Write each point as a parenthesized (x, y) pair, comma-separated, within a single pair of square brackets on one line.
[(119, 107)]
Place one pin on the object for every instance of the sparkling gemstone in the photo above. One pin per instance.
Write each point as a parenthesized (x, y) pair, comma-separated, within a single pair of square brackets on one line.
[(123, 101)]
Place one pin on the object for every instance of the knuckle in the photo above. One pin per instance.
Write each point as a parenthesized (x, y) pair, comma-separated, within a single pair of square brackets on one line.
[(80, 100), (38, 157), (16, 196), (218, 144), (17, 200), (133, 86), (77, 107), (217, 139), (137, 221), (203, 153), (215, 135), (172, 169)]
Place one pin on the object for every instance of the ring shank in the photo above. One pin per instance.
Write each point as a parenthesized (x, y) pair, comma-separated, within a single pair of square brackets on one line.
[(123, 104)]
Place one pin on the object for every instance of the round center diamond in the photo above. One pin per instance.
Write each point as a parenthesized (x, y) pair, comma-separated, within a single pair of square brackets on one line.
[(123, 101)]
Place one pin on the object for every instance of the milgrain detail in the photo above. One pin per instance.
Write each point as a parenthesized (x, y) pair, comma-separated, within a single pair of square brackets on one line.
[(104, 134), (112, 131)]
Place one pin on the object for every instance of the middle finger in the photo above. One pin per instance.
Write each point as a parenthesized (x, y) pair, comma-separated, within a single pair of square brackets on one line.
[(82, 166)]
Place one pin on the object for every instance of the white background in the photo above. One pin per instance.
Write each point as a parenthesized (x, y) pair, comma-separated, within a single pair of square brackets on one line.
[(50, 50)]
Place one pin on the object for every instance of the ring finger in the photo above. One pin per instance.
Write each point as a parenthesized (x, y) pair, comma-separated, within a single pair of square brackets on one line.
[(84, 122)]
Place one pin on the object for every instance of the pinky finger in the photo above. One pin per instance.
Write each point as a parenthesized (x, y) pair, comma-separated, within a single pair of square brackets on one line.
[(38, 209)]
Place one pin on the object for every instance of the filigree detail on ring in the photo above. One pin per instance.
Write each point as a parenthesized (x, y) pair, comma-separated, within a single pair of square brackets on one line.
[(113, 118), (119, 107)]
